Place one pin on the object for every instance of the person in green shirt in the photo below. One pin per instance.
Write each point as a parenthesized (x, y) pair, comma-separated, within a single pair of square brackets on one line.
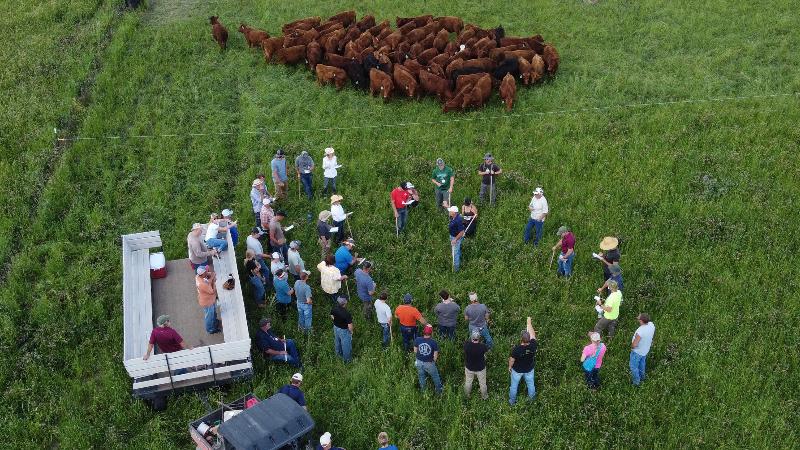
[(610, 310), (443, 177)]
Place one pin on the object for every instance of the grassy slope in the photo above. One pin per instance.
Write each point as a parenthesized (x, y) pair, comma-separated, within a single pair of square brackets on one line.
[(701, 256)]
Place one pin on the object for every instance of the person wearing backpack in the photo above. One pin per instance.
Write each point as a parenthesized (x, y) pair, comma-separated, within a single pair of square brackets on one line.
[(592, 359)]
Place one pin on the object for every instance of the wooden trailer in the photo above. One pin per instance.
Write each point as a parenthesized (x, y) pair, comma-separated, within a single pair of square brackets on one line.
[(215, 359)]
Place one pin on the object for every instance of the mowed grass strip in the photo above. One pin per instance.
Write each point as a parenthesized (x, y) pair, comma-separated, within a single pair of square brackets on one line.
[(700, 195)]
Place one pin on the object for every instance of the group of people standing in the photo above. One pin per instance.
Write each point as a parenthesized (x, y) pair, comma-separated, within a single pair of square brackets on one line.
[(272, 263)]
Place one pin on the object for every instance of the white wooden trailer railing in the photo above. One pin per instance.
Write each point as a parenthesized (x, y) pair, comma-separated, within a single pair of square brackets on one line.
[(206, 364)]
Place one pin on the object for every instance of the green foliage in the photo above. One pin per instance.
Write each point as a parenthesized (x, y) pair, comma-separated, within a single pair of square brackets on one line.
[(702, 195)]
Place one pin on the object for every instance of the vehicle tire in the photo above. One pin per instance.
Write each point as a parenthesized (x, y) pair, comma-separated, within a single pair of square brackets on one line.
[(158, 403)]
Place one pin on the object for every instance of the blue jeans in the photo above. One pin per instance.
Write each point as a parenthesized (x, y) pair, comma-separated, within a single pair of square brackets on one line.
[(592, 378), (430, 369), (343, 343), (258, 289), (219, 244), (487, 338), (515, 377), (409, 334), (447, 332), (234, 235), (402, 218), (305, 179), (329, 182), (538, 225), (386, 338), (293, 356), (304, 315), (457, 254), (637, 364), (202, 264), (565, 267), (210, 319)]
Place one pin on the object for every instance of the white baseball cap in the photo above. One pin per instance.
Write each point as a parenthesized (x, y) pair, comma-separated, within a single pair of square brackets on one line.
[(329, 151), (453, 209), (297, 377), (266, 201), (325, 439), (538, 190), (276, 255), (227, 212)]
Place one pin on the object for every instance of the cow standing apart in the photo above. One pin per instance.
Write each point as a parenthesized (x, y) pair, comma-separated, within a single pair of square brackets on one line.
[(508, 90), (219, 32)]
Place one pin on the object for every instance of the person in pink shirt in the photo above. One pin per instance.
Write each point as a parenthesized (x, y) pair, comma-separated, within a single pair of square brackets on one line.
[(592, 359)]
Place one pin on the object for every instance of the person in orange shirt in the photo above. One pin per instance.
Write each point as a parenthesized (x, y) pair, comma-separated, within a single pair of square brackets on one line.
[(207, 297), (408, 316)]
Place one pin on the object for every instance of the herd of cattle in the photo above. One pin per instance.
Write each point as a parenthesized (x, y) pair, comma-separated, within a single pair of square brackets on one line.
[(419, 57)]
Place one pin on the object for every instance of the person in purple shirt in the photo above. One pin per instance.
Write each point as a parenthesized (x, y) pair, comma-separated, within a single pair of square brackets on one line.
[(365, 288), (293, 390), (165, 337)]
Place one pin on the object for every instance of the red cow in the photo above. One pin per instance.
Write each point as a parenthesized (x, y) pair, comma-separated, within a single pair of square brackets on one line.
[(537, 69), (253, 36), (218, 32), (313, 54), (508, 91), (441, 40), (291, 55), (380, 82), (479, 93), (405, 81), (436, 85), (270, 46), (451, 24), (345, 17), (455, 102), (551, 59), (366, 22), (330, 74), (418, 21)]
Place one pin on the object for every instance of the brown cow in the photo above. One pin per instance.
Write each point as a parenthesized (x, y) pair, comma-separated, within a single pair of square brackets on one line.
[(303, 26), (270, 46), (393, 39), (426, 56), (314, 21), (455, 64), (537, 69), (330, 74), (345, 17), (551, 59), (436, 85), (465, 35), (364, 40), (329, 27), (331, 41), (413, 66), (525, 71), (385, 62), (291, 55), (383, 33), (366, 22), (218, 32), (479, 93), (466, 80), (451, 24), (415, 50), (441, 40), (253, 36), (456, 101), (483, 46), (352, 33), (451, 47), (428, 41), (405, 81), (436, 69), (485, 64), (380, 81), (442, 60), (299, 37), (351, 50), (313, 54), (508, 91), (335, 60), (509, 41), (377, 29), (498, 54), (360, 57), (418, 21), (407, 28), (524, 53)]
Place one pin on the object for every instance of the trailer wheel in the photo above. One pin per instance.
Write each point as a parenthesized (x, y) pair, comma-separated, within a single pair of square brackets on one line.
[(158, 403)]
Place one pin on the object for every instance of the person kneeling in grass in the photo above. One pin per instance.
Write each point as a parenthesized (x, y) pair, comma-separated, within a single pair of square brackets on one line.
[(275, 348)]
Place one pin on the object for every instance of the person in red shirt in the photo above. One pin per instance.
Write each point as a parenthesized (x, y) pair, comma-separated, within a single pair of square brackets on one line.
[(403, 197), (408, 316), (167, 339), (567, 244)]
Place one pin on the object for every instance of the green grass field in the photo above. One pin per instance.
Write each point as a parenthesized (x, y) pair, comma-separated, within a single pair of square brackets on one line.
[(702, 192)]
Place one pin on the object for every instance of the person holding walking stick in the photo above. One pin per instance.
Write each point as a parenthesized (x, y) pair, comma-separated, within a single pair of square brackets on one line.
[(456, 228), (488, 170), (402, 197), (443, 177), (470, 214)]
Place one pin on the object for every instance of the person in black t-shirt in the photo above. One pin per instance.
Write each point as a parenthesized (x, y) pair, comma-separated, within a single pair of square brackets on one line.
[(488, 170), (521, 363), (475, 364), (609, 255), (342, 329)]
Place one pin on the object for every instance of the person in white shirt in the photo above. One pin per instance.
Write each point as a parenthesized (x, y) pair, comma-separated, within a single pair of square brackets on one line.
[(640, 347), (384, 314), (212, 232), (338, 216), (329, 166), (294, 260), (539, 210), (254, 244), (277, 263)]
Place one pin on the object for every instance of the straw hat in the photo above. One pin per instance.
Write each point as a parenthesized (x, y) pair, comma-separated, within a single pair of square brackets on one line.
[(609, 243), (336, 198), (324, 215)]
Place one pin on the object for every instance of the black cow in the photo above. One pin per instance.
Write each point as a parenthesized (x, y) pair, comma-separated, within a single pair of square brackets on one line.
[(510, 65), (357, 74)]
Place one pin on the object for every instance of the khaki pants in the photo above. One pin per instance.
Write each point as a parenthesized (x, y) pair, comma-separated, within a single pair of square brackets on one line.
[(280, 188), (324, 246), (470, 376)]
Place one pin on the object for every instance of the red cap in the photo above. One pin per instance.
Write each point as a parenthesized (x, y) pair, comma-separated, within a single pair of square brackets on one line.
[(428, 329)]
